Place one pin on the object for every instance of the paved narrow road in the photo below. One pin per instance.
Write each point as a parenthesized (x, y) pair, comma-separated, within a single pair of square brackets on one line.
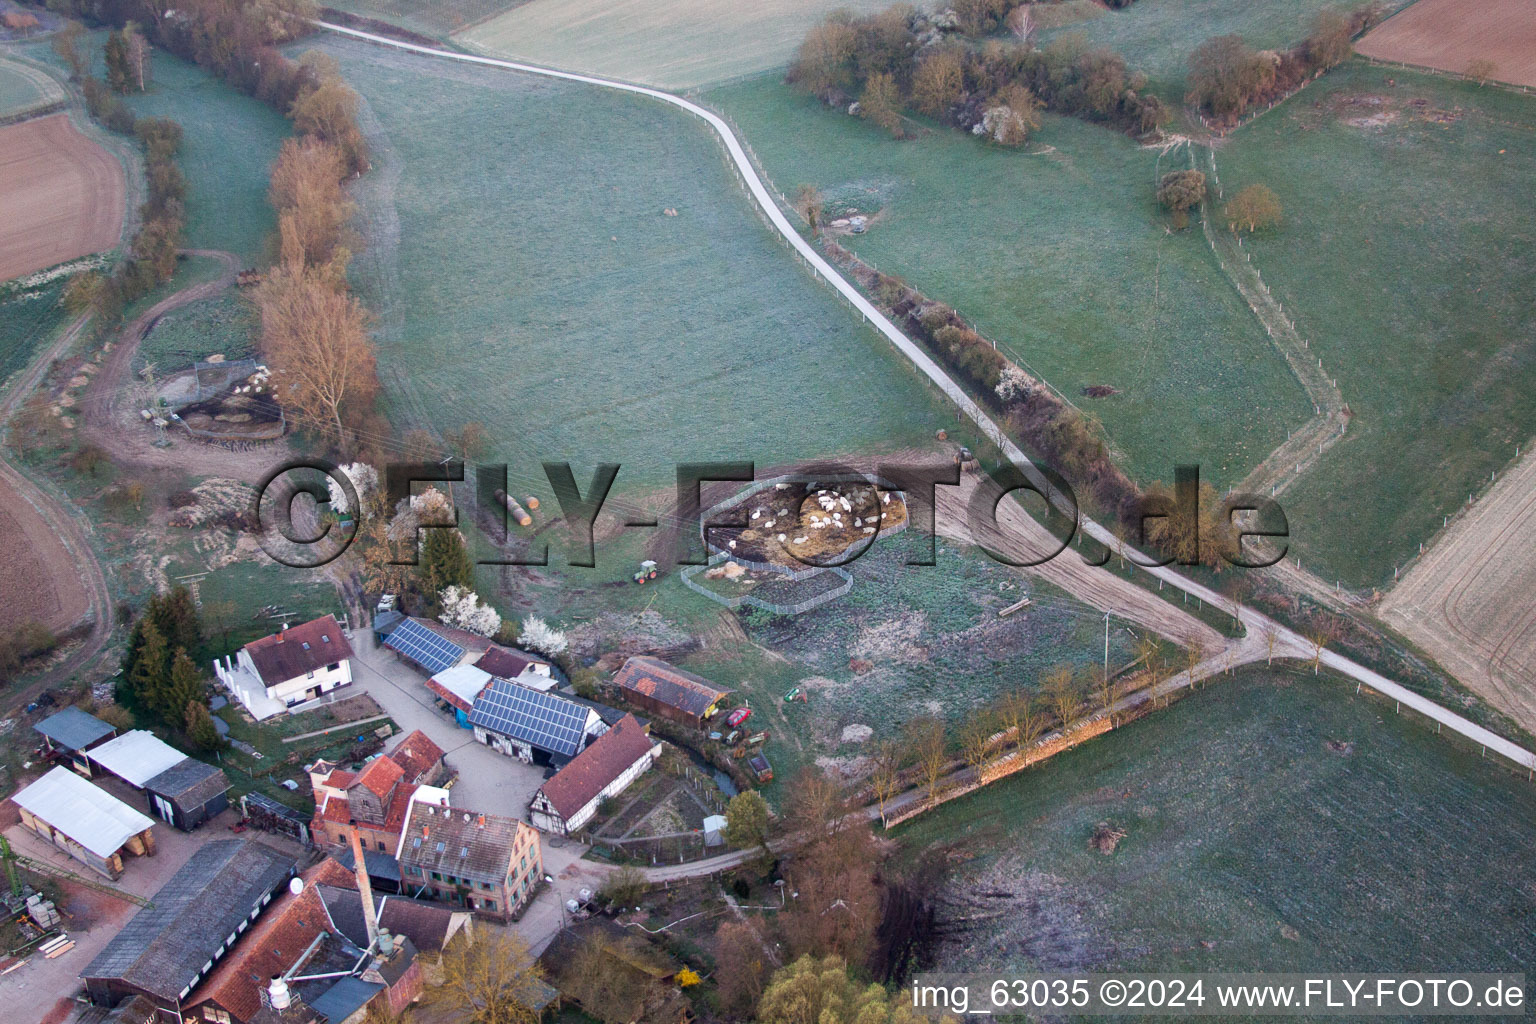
[(1288, 642)]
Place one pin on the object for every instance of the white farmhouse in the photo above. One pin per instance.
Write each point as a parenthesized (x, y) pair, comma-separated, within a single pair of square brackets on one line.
[(290, 668)]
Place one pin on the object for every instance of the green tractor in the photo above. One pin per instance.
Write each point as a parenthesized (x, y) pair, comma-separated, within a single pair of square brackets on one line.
[(648, 572)]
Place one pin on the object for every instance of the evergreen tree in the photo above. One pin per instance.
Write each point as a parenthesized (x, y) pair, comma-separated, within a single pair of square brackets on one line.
[(444, 563), (175, 614), (183, 686), (149, 669), (118, 72), (201, 731)]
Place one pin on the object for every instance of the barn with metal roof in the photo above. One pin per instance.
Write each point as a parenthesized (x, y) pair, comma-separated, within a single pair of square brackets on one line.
[(85, 821), (532, 726)]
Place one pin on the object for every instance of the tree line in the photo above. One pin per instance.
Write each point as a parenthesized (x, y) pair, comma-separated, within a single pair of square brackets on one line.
[(151, 257), (314, 332), (1227, 76), (880, 65), (160, 677)]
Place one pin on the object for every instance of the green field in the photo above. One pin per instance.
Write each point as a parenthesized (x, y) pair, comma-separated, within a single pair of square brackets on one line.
[(525, 273), (674, 44), (229, 141), (226, 324), (28, 317), (1059, 254), (1414, 287), (1156, 36), (1246, 831), (23, 88)]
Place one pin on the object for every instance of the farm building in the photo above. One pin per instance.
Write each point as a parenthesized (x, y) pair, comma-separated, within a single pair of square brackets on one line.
[(532, 726), (68, 734), (606, 768), (374, 802), (188, 793), (295, 966), (518, 667), (88, 823), (668, 691), (290, 668), (485, 862), (431, 927), (457, 687), (136, 757), (170, 946), (432, 647)]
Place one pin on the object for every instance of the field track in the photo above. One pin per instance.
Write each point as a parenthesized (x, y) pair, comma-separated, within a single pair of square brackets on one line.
[(1468, 600), (61, 196), (1450, 34), (1289, 644)]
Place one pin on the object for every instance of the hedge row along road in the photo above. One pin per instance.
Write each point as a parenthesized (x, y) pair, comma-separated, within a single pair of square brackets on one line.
[(1253, 648)]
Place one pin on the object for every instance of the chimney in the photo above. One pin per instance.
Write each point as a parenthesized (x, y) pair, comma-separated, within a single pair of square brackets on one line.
[(277, 993), (364, 888), (282, 633), (480, 821)]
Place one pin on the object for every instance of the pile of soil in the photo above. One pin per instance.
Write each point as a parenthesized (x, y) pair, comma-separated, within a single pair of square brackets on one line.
[(1106, 837)]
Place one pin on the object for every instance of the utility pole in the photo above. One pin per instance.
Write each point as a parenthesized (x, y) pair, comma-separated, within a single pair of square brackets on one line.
[(1106, 648)]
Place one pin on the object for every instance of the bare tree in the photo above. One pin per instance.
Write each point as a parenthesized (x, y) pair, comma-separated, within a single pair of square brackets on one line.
[(137, 52), (1062, 692), (315, 339), (493, 980), (885, 776), (976, 744), (1271, 637), (924, 736), (809, 203)]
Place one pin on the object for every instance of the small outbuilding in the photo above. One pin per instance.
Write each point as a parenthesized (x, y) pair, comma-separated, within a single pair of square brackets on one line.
[(669, 692), (88, 823), (68, 734), (188, 793), (136, 757)]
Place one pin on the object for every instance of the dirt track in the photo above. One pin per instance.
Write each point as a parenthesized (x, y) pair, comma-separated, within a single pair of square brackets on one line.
[(109, 415), (1468, 600), (1022, 537), (61, 196), (1450, 34)]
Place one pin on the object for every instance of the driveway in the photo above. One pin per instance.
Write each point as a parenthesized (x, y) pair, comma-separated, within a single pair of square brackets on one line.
[(488, 781)]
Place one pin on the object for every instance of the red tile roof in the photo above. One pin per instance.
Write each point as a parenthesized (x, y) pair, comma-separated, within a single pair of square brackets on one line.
[(339, 779), (272, 945), (299, 650), (380, 776), (668, 684), (416, 755), (335, 808), (333, 872), (595, 768)]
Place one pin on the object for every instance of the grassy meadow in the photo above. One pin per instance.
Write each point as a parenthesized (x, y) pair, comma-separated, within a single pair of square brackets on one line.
[(1060, 254), (1404, 259), (24, 88), (580, 272), (1156, 36), (1271, 819)]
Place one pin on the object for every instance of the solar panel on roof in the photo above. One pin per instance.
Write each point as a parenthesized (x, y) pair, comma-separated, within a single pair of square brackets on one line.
[(541, 719), (427, 649)]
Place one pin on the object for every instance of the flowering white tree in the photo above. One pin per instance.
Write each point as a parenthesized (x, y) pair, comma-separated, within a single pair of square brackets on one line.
[(540, 636), (1013, 385), (462, 608), (365, 481)]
